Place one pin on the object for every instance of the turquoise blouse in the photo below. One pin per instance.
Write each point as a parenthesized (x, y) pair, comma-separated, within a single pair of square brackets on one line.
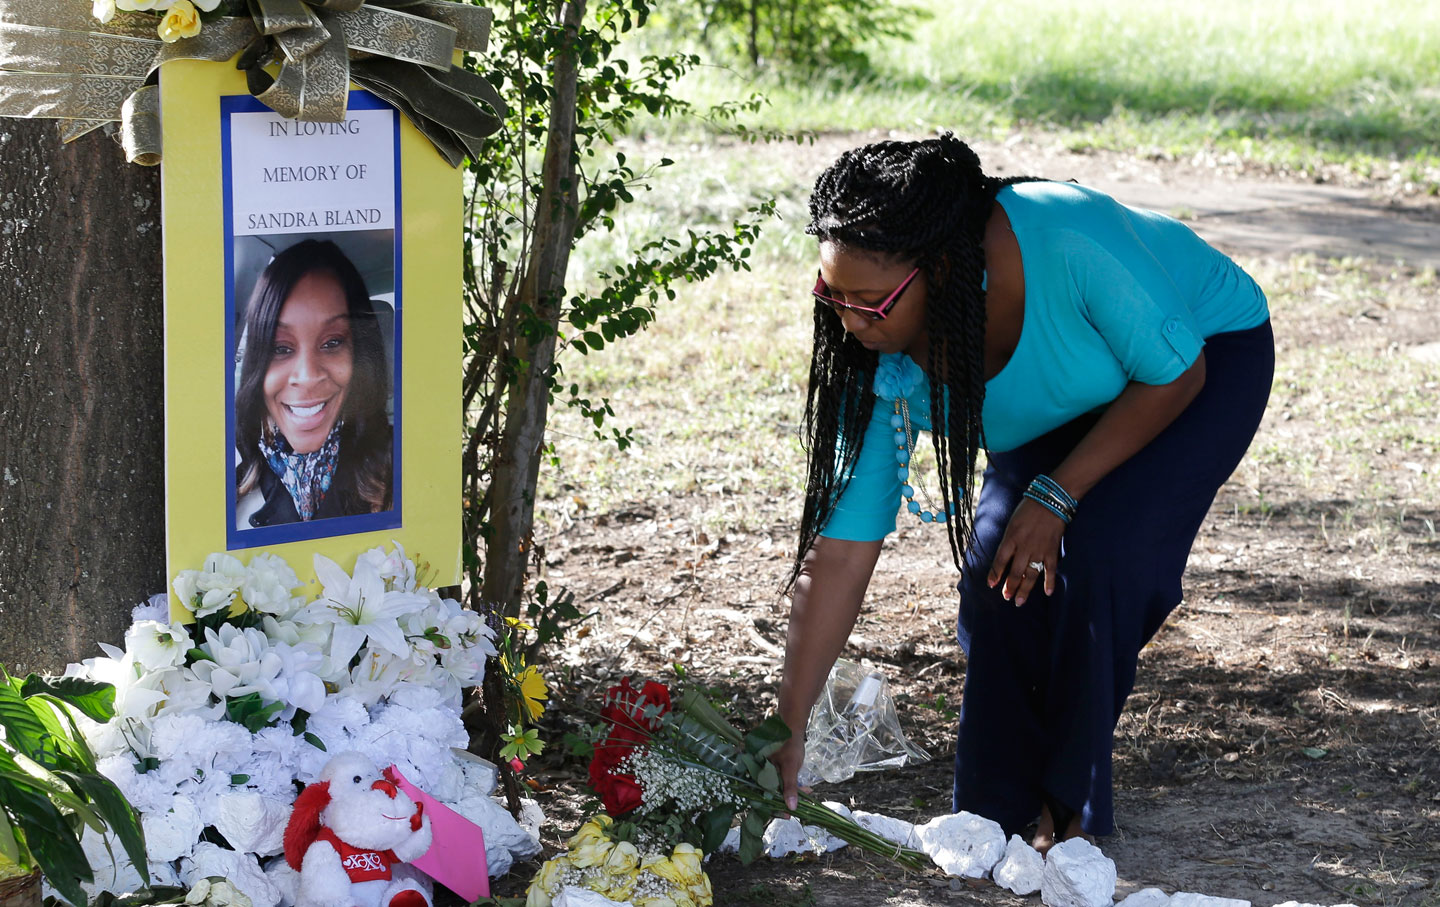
[(1113, 294)]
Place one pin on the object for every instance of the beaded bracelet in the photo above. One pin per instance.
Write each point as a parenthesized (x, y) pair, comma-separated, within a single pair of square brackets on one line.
[(1048, 493)]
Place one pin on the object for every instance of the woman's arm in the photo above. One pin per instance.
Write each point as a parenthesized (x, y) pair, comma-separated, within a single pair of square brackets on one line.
[(826, 602), (1140, 413)]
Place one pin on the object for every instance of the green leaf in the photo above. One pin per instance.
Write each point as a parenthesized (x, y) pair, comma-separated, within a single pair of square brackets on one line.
[(752, 834), (24, 730), (9, 847), (315, 742), (1315, 752), (767, 736), (694, 704), (769, 778), (118, 815), (94, 699), (715, 825)]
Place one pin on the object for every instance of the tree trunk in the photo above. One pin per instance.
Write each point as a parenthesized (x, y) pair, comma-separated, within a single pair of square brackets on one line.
[(516, 465), (82, 520)]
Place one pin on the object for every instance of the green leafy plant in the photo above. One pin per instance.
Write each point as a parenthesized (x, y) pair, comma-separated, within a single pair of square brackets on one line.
[(797, 33), (50, 790)]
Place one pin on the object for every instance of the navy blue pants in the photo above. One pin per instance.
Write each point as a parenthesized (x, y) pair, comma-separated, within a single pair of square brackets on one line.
[(1045, 682)]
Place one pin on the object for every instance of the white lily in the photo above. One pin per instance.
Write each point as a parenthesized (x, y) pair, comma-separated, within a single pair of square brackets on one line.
[(156, 646), (360, 609)]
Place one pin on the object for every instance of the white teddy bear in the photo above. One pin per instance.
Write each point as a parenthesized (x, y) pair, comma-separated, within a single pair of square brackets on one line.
[(349, 833)]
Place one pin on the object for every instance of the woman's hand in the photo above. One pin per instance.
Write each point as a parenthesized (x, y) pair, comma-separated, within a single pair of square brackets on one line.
[(1032, 536), (788, 759)]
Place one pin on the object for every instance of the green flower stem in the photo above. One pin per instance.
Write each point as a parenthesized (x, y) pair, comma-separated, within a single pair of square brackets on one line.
[(811, 812)]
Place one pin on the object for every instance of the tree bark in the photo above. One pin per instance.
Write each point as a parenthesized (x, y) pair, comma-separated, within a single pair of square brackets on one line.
[(82, 520), (516, 465)]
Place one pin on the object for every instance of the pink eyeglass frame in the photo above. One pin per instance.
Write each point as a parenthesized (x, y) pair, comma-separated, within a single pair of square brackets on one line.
[(874, 313)]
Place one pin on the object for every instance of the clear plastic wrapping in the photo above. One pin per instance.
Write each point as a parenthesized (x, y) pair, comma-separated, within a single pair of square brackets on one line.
[(854, 727)]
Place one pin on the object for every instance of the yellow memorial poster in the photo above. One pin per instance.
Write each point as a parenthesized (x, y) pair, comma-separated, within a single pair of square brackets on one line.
[(312, 330)]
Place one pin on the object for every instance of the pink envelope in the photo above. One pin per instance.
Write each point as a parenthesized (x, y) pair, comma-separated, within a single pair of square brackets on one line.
[(456, 858)]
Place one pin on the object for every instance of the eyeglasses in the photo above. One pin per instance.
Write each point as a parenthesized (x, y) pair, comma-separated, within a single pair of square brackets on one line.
[(874, 313)]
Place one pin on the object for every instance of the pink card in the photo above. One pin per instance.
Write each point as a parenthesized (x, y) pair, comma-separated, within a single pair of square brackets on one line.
[(456, 858)]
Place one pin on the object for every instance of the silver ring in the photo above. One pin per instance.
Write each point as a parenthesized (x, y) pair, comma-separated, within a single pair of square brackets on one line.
[(1037, 566)]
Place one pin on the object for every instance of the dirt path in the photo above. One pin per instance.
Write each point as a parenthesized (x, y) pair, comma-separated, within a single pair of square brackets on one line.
[(1283, 741)]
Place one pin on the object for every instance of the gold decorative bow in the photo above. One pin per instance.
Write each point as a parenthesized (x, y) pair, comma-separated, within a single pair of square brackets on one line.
[(58, 62)]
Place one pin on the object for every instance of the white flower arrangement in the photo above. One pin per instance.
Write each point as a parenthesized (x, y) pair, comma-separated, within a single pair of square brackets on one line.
[(217, 720)]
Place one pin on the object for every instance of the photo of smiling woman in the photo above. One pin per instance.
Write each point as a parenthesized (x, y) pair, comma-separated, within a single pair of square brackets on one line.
[(312, 424)]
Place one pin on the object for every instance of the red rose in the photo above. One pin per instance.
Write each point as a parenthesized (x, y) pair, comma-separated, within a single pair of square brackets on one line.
[(630, 726), (618, 790), (625, 708)]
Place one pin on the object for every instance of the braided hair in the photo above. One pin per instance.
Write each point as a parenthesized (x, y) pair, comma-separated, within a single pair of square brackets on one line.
[(923, 202)]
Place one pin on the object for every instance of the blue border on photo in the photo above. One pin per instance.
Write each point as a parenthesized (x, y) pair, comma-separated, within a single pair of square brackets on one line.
[(236, 539)]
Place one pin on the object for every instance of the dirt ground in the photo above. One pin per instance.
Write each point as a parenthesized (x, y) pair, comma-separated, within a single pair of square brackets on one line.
[(1283, 740)]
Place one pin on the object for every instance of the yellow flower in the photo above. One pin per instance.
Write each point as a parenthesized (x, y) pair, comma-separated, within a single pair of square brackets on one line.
[(687, 858), (659, 900), (623, 858), (591, 853), (681, 869), (592, 830), (617, 886), (182, 20), (533, 689), (701, 891), (547, 880)]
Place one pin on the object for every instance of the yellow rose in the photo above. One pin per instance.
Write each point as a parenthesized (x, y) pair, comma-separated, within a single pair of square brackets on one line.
[(593, 830), (547, 880), (591, 853), (623, 858), (688, 859), (616, 886), (701, 892), (658, 900), (182, 20)]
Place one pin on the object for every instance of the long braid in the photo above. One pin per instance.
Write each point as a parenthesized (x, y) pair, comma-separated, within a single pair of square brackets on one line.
[(926, 202)]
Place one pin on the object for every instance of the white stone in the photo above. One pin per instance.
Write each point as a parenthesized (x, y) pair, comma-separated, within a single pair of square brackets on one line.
[(1021, 869), (532, 817), (573, 896), (786, 836), (963, 844), (1077, 874), (731, 844), (1192, 899), (1146, 897), (240, 869), (889, 828), (1302, 904), (505, 839), (251, 822)]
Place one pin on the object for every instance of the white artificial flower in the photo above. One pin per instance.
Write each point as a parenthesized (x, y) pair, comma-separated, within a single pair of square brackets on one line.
[(142, 5), (217, 584), (269, 585), (297, 684), (206, 5), (157, 607), (137, 695), (314, 635), (394, 567), (185, 692), (237, 659), (156, 646), (360, 609), (375, 676)]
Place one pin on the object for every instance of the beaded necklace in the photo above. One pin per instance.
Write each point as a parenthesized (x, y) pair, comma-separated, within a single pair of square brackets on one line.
[(894, 378)]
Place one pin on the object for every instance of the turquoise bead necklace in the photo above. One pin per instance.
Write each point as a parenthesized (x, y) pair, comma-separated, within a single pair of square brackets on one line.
[(904, 449)]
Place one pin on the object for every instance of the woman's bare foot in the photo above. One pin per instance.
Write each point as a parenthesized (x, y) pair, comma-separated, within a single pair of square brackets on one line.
[(1045, 832)]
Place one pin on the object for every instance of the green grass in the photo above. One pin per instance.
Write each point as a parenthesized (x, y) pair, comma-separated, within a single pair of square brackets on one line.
[(1293, 84)]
